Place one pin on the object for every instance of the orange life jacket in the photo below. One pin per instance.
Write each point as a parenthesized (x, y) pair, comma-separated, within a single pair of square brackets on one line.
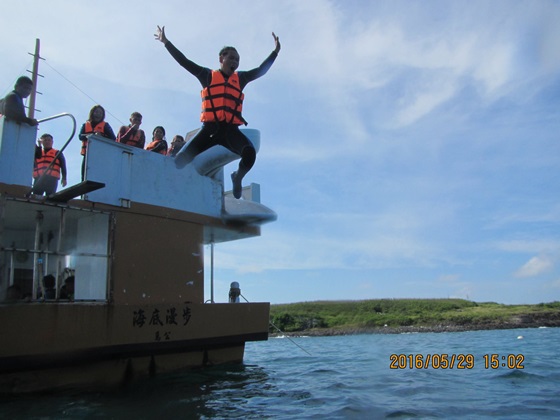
[(162, 150), (133, 140), (43, 163), (222, 100), (99, 128)]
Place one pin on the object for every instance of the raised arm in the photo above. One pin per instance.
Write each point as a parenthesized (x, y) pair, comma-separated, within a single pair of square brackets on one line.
[(277, 43), (160, 34), (201, 73), (250, 75)]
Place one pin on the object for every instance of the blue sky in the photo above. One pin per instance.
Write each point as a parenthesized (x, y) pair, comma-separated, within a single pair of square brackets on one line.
[(411, 149)]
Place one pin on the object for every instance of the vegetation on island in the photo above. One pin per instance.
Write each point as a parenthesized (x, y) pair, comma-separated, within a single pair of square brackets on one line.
[(401, 315)]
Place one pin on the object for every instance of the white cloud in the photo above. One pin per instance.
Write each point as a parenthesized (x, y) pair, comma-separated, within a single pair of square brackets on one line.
[(448, 278), (535, 266), (341, 241), (548, 51), (423, 102), (554, 285), (541, 246)]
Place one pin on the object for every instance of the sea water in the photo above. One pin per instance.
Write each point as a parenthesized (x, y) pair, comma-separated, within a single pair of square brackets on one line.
[(366, 376)]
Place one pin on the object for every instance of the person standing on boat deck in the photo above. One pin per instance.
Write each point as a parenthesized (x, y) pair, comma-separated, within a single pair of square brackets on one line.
[(132, 135), (47, 183), (222, 103), (94, 125), (12, 106), (67, 290), (49, 283), (158, 144), (176, 144)]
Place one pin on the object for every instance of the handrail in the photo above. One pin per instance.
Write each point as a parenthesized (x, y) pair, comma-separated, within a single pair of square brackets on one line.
[(64, 114)]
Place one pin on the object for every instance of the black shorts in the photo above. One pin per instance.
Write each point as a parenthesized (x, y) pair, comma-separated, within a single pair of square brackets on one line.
[(213, 134)]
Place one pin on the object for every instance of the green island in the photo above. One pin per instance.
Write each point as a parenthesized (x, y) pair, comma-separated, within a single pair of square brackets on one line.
[(394, 316)]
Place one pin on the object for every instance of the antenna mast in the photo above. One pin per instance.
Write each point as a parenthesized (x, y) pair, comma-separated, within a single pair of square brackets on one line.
[(34, 76)]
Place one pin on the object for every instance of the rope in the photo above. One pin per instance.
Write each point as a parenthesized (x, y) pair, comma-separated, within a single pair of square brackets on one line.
[(84, 93), (11, 87), (279, 330)]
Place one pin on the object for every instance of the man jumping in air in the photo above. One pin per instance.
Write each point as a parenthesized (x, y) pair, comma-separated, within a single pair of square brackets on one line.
[(222, 103)]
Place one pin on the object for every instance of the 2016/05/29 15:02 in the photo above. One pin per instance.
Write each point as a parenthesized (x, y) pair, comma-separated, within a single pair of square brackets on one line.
[(510, 361), (454, 361)]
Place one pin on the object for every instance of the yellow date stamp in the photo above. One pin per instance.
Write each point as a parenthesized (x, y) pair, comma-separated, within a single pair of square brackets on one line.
[(455, 361)]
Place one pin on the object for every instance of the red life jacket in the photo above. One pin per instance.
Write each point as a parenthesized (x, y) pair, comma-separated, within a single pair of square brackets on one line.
[(43, 163), (134, 140), (99, 128), (222, 100)]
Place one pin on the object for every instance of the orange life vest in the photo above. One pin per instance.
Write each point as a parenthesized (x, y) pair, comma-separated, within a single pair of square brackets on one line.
[(154, 144), (99, 128), (133, 140), (43, 163), (222, 100)]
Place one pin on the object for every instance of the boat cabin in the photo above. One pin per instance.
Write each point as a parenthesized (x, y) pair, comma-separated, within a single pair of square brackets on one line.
[(126, 250)]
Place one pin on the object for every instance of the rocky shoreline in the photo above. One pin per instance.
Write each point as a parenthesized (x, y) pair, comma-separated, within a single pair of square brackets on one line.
[(521, 321)]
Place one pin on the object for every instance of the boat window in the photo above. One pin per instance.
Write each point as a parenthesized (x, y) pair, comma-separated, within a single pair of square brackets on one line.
[(37, 240)]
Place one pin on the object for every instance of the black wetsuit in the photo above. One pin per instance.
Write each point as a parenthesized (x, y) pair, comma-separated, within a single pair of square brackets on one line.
[(218, 133)]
